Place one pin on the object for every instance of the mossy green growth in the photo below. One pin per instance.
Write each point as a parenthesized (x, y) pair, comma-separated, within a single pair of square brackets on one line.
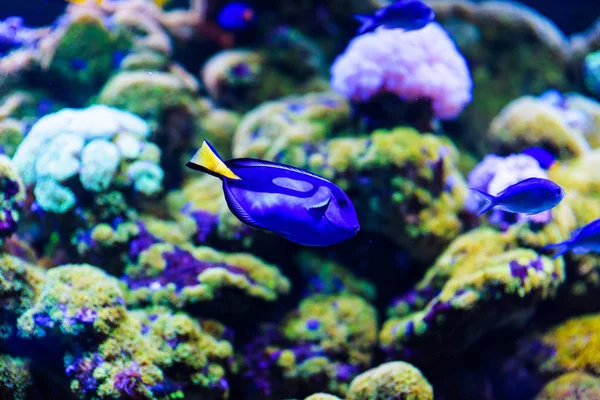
[(21, 284), (148, 95), (574, 385), (280, 130), (575, 344), (76, 300), (85, 52), (12, 132), (328, 277), (530, 121), (15, 378), (196, 348), (340, 324), (501, 290), (391, 381)]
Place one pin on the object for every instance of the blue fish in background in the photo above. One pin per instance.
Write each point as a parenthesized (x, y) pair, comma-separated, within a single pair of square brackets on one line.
[(403, 14), (583, 240), (296, 204), (235, 16), (530, 196), (542, 156)]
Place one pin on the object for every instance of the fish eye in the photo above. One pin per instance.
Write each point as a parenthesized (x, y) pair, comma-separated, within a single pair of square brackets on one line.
[(342, 202)]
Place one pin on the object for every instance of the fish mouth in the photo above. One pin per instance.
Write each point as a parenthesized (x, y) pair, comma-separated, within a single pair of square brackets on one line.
[(356, 228)]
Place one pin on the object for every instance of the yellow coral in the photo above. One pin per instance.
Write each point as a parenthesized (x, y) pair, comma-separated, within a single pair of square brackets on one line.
[(391, 381), (577, 344), (528, 121)]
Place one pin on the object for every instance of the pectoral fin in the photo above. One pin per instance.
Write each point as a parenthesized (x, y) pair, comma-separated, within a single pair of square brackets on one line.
[(318, 210)]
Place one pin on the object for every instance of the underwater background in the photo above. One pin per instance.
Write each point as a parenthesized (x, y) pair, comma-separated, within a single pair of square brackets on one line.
[(125, 275)]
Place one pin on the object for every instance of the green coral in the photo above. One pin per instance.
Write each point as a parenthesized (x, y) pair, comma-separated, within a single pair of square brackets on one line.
[(12, 132), (21, 284), (328, 277), (15, 378), (484, 292), (75, 299), (391, 381), (81, 52), (574, 344), (287, 125), (575, 385), (242, 79), (148, 94), (530, 121), (320, 346)]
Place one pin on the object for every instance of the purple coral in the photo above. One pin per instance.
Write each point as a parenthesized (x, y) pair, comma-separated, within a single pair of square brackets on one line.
[(423, 64), (181, 269), (494, 174), (127, 380)]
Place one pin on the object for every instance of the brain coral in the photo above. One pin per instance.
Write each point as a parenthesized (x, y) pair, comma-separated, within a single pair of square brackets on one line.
[(421, 64)]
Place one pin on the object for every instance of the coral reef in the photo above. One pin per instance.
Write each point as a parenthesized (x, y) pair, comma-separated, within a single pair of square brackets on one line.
[(112, 352), (15, 378), (467, 296), (391, 381), (202, 278), (124, 274), (289, 125), (404, 185), (572, 385), (566, 126), (321, 345)]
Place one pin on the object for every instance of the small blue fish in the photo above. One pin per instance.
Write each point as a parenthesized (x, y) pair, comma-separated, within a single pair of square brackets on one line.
[(404, 14), (543, 157), (531, 196), (235, 16), (583, 240), (296, 204)]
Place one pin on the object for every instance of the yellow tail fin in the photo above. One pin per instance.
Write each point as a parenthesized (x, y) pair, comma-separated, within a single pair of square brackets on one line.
[(206, 159)]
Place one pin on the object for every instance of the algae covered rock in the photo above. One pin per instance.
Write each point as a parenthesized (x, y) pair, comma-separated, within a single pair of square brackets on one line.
[(281, 130), (200, 278), (391, 381), (320, 346), (470, 291), (15, 378), (575, 385), (568, 126)]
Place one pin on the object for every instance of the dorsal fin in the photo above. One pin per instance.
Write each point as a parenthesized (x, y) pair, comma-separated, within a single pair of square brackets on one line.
[(252, 162), (207, 160)]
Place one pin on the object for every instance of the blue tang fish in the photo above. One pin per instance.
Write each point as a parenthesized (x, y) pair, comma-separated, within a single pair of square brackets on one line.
[(235, 16), (583, 240), (296, 204), (404, 14), (542, 156), (530, 196)]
